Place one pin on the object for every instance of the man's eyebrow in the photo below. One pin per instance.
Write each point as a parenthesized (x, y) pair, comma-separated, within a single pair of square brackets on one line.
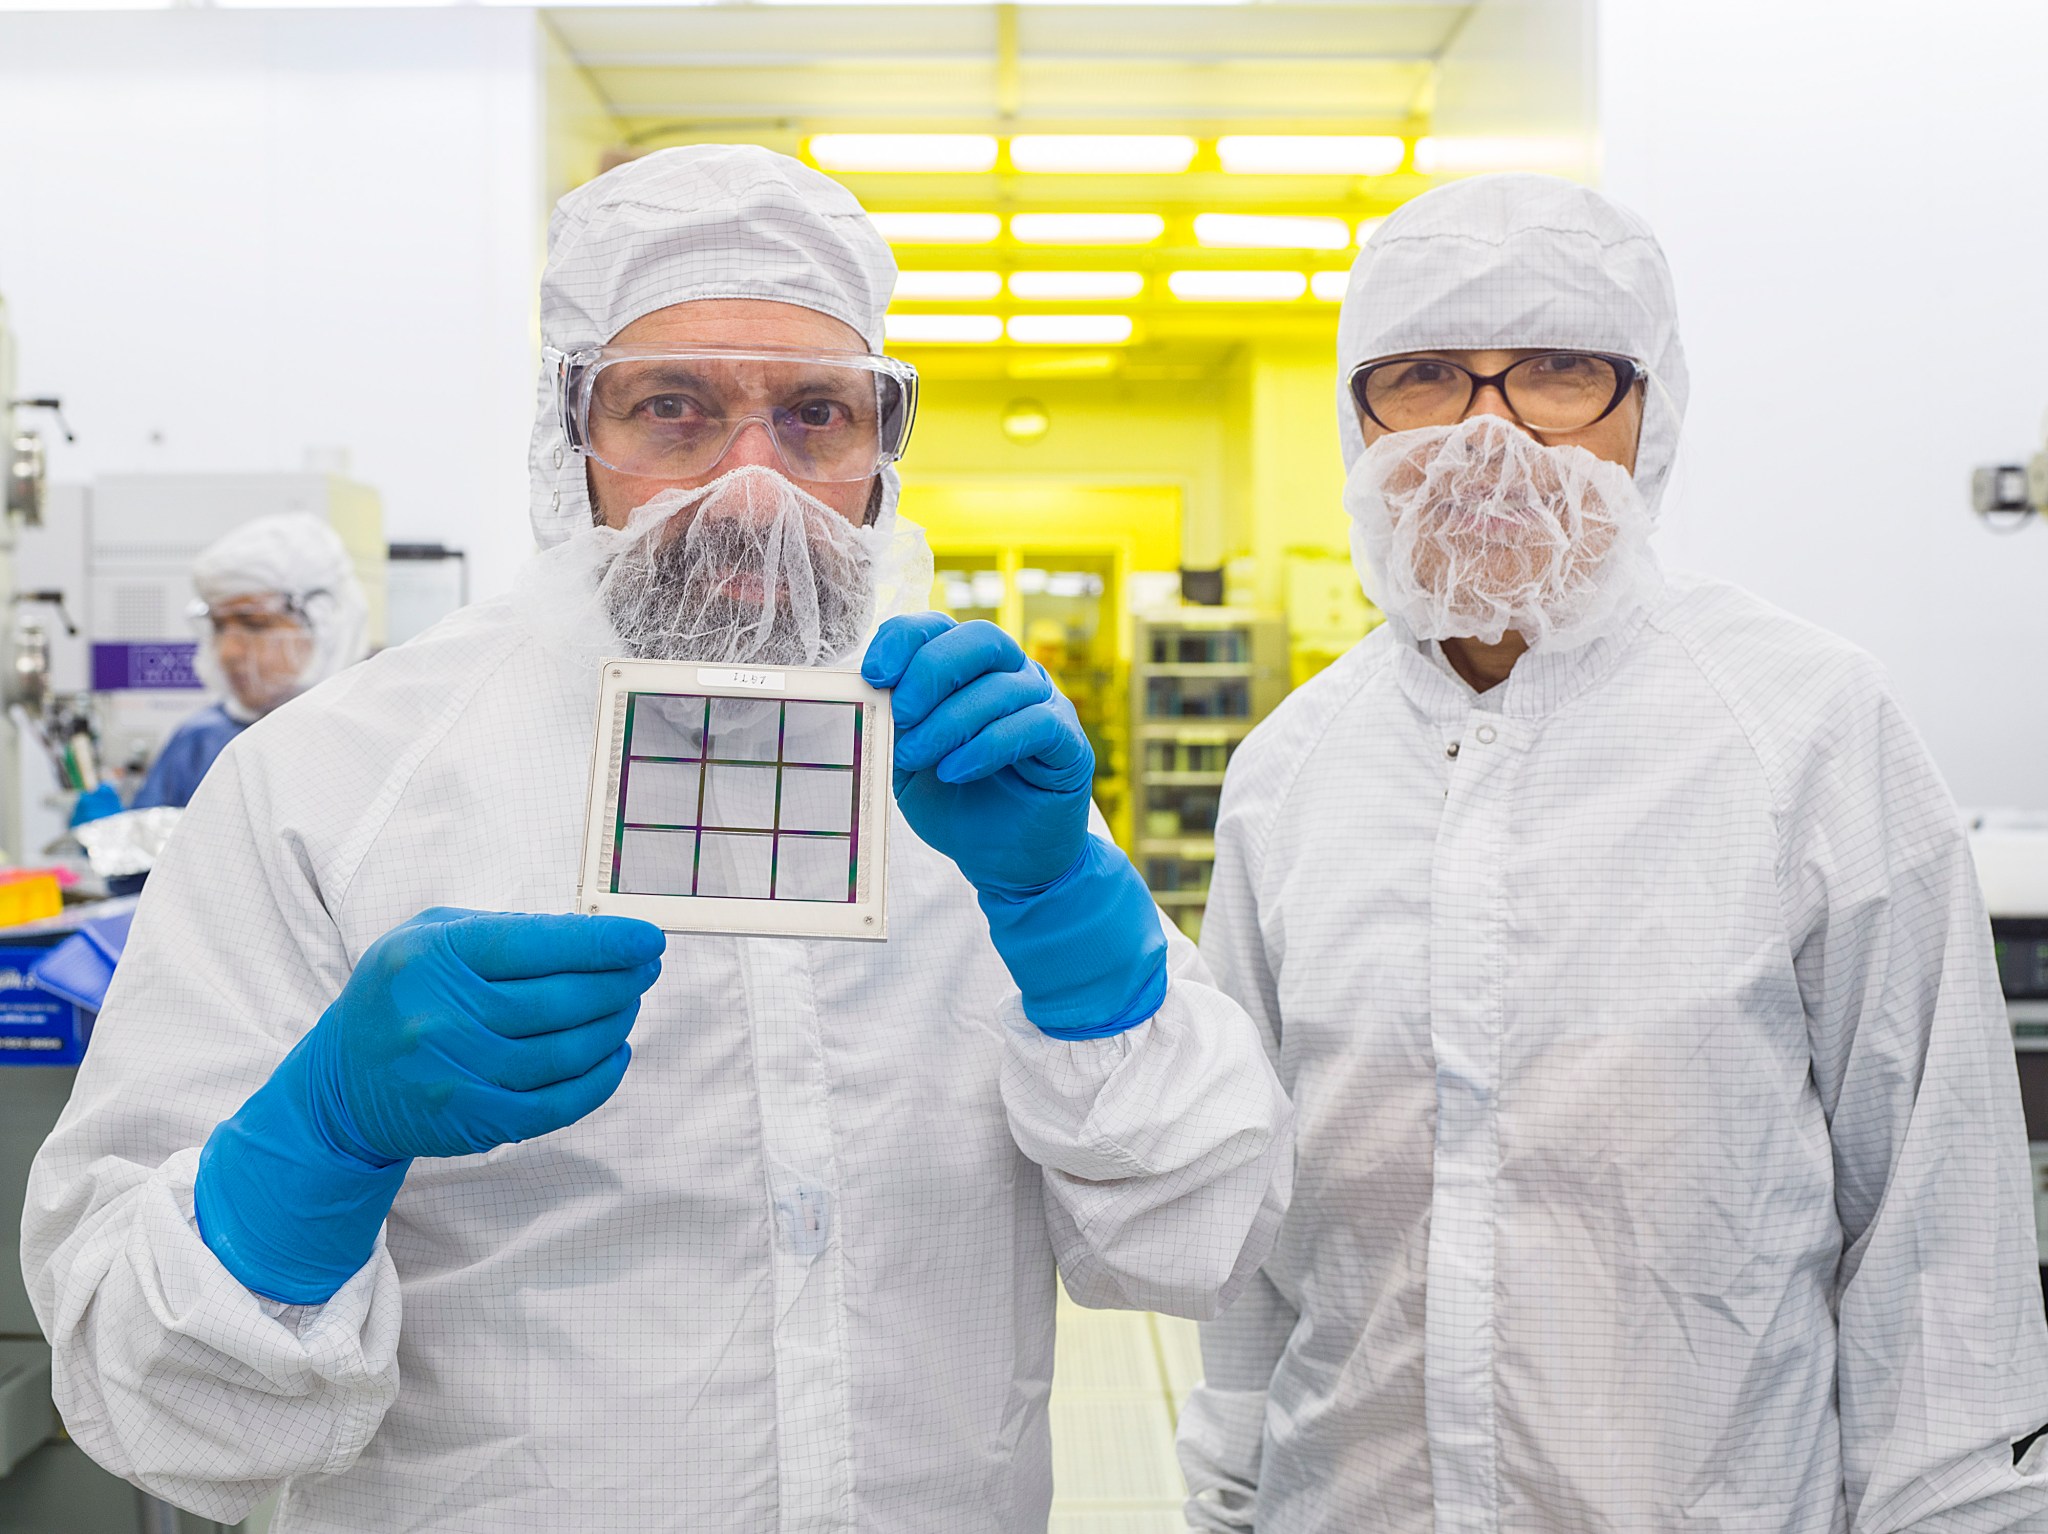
[(663, 375)]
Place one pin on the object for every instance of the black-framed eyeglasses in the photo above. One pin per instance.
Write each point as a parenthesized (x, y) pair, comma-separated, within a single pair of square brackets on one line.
[(1551, 391)]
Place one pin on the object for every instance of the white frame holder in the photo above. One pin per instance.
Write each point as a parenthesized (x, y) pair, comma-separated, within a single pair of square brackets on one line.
[(864, 917)]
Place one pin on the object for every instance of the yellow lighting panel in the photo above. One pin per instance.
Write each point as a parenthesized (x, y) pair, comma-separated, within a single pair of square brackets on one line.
[(953, 285), (1463, 155), (1070, 329), (1237, 287), (938, 228), (1258, 231), (1367, 228), (1087, 228), (1076, 286), (1063, 364), (1102, 153), (918, 329), (1264, 154), (1329, 286), (904, 151)]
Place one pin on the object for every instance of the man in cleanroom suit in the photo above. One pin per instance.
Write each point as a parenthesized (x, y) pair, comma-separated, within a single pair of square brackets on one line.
[(280, 610), (363, 1192), (1661, 1163)]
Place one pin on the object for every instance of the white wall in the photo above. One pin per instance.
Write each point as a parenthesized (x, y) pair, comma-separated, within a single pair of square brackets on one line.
[(230, 236), (1855, 203)]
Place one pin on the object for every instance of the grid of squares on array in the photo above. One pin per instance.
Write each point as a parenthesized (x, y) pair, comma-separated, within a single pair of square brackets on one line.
[(738, 798)]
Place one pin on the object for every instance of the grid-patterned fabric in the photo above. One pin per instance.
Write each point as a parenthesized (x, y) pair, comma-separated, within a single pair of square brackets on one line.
[(1509, 261), (701, 221), (796, 1276), (1661, 1162)]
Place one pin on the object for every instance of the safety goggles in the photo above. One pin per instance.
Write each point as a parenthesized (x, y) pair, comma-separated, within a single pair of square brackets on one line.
[(666, 414), (1551, 391), (254, 616)]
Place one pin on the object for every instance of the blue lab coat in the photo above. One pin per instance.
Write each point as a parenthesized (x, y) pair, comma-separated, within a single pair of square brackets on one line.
[(186, 756)]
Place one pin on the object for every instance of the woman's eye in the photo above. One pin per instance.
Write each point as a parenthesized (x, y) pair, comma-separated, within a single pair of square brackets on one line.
[(1425, 373), (1561, 363)]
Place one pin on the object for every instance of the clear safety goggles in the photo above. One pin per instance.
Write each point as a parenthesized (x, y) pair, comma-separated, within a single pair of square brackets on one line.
[(670, 414), (254, 617)]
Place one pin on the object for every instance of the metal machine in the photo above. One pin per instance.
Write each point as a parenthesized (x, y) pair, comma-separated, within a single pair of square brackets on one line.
[(47, 1484), (2012, 865), (2006, 494)]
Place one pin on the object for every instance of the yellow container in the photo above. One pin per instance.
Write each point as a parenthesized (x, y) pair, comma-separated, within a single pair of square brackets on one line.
[(28, 895)]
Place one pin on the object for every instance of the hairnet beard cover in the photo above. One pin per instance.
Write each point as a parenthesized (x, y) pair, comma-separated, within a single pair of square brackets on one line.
[(1473, 530), (682, 580), (747, 570)]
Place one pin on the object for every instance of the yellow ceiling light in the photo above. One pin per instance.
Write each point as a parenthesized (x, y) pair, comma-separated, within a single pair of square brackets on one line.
[(1092, 154), (1087, 228), (904, 151), (919, 329), (1073, 287), (1367, 228), (1063, 364), (1026, 420), (1261, 231), (1329, 286), (1301, 154), (1237, 287), (938, 228), (1464, 155), (948, 285), (1070, 329)]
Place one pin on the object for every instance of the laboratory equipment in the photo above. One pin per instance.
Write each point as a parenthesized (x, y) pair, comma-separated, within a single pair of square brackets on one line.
[(2006, 494), (424, 583), (2011, 853), (1201, 677), (739, 799)]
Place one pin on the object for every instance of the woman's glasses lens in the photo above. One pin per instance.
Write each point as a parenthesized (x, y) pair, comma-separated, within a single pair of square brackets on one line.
[(1552, 391)]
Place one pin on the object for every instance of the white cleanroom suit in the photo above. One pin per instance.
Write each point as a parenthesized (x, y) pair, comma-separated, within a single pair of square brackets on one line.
[(797, 1275), (1661, 1163)]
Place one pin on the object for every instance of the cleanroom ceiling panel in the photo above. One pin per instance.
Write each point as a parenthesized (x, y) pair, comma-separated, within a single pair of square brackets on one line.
[(807, 68)]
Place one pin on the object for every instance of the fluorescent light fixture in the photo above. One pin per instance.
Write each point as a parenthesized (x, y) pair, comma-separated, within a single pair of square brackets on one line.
[(1087, 228), (1070, 329), (1237, 287), (1329, 286), (938, 228), (1259, 231), (1461, 156), (904, 151), (1272, 154), (1073, 286), (1063, 364), (953, 285), (1085, 154), (1368, 227), (918, 328)]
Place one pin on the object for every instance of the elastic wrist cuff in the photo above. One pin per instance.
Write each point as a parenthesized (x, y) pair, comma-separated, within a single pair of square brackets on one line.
[(1087, 951)]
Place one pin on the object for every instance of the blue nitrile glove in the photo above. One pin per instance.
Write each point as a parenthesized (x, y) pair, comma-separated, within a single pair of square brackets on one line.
[(992, 770), (458, 1031), (96, 804)]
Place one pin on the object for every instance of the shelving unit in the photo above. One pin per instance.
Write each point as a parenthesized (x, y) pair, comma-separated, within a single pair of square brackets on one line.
[(1201, 677)]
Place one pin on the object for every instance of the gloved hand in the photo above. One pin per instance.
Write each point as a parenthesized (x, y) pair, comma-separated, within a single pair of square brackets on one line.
[(96, 804), (992, 769), (459, 1031)]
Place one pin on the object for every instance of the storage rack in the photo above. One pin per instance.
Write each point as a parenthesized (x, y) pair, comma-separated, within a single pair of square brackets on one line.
[(1201, 677)]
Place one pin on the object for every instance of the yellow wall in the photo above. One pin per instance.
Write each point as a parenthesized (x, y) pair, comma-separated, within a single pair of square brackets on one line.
[(1252, 446)]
